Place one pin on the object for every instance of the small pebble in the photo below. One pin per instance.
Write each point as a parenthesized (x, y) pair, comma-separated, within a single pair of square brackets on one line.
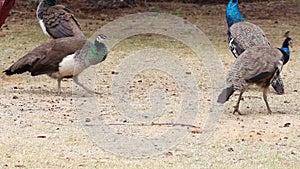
[(19, 166), (196, 131), (230, 149), (287, 125), (114, 73), (169, 153), (41, 136)]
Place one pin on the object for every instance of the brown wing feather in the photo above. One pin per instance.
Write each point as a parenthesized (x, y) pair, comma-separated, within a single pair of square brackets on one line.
[(45, 58), (258, 64), (60, 22), (26, 62)]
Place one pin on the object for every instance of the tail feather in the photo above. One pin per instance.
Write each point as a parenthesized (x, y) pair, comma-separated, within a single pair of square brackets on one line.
[(11, 71), (22, 65), (8, 72), (278, 85), (226, 93)]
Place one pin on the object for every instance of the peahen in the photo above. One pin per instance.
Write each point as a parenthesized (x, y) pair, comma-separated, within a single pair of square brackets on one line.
[(57, 21), (243, 35), (62, 58), (259, 65)]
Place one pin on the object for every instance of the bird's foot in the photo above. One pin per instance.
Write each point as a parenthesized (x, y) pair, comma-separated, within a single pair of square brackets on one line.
[(269, 112), (236, 110), (93, 92)]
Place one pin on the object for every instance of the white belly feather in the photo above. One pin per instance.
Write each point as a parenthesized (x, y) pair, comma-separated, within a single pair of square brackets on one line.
[(43, 27), (68, 66)]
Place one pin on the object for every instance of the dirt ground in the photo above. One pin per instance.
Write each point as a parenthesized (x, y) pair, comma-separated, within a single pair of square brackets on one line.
[(42, 130)]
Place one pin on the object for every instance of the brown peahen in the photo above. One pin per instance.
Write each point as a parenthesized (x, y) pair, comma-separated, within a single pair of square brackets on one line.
[(57, 21), (62, 58), (260, 66)]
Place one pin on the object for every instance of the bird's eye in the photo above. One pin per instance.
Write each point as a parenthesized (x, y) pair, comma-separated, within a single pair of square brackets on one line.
[(101, 37)]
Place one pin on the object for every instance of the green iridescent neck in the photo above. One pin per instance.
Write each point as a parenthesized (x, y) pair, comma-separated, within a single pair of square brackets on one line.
[(97, 53)]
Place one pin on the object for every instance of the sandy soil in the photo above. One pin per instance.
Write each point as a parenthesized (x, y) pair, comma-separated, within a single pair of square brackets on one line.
[(42, 130)]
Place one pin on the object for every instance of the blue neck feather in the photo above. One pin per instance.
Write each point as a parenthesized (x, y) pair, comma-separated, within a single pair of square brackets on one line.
[(285, 45), (285, 48), (233, 14)]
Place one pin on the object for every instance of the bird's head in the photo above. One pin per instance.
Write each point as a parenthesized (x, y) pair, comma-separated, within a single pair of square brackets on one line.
[(99, 40), (288, 41), (285, 47)]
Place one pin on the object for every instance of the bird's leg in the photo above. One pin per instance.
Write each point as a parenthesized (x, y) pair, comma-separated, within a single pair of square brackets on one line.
[(75, 78), (59, 86), (265, 91), (236, 107)]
